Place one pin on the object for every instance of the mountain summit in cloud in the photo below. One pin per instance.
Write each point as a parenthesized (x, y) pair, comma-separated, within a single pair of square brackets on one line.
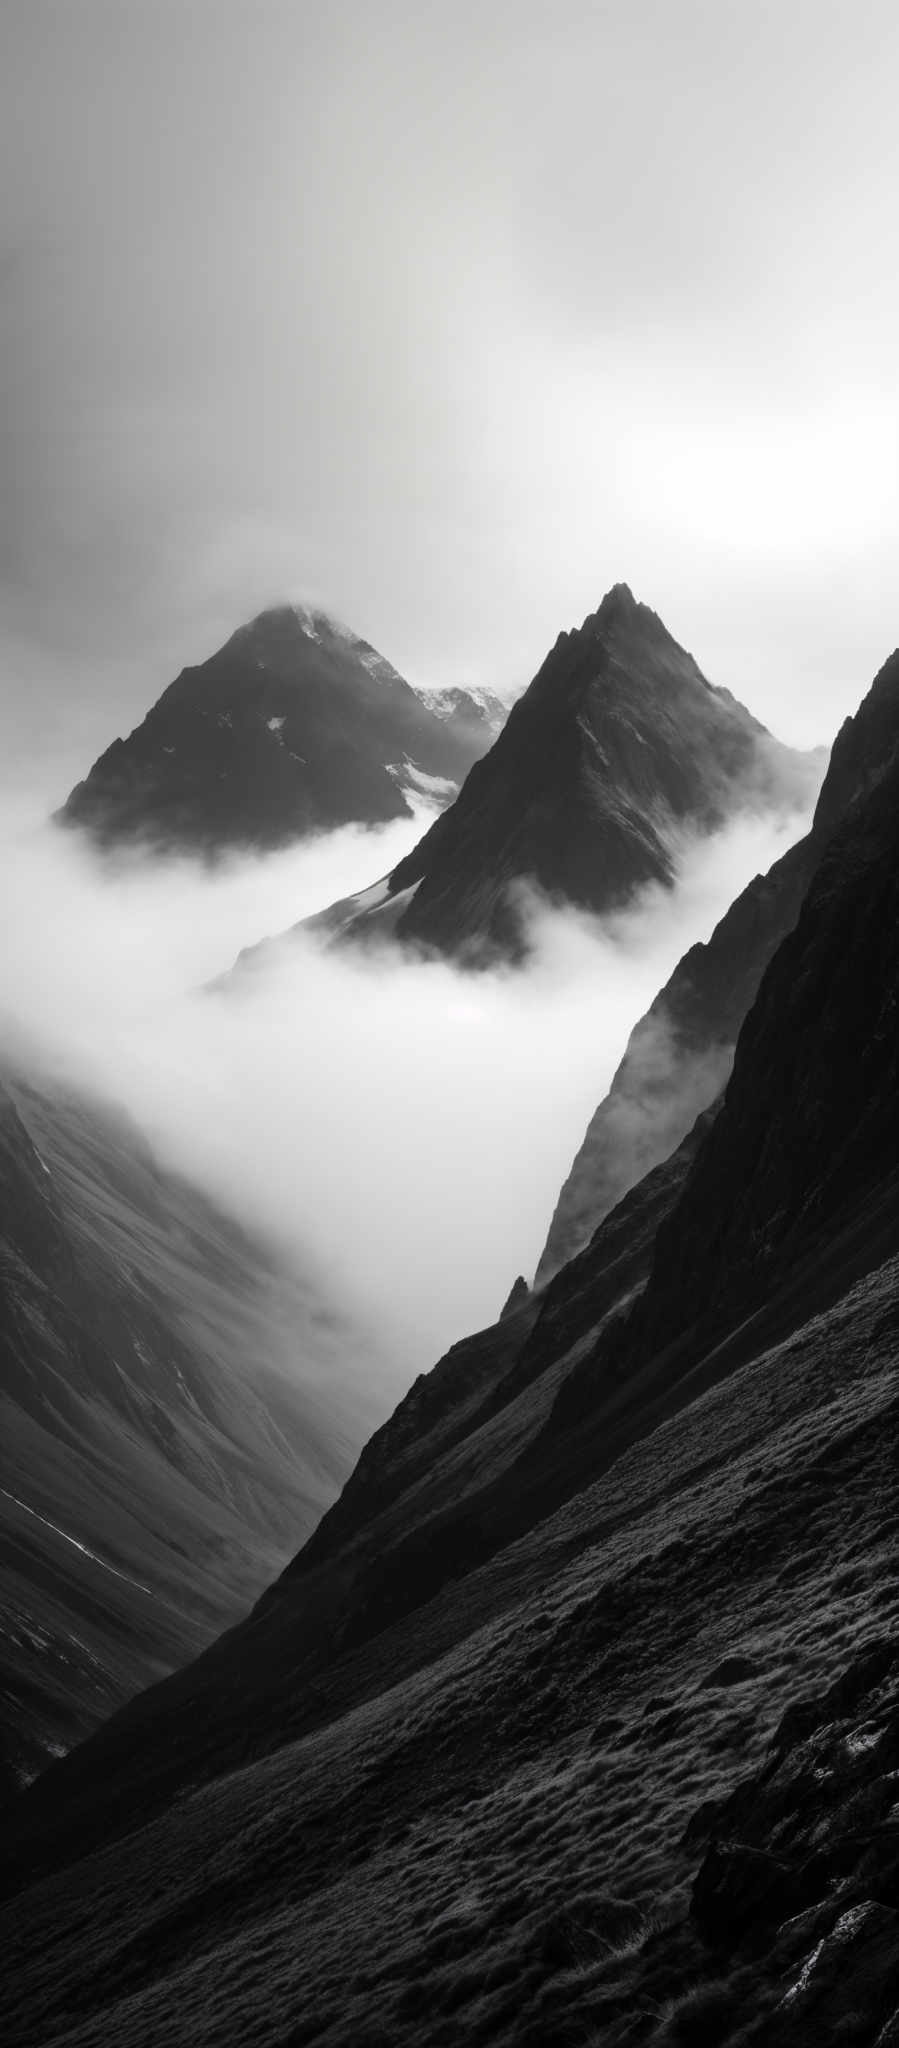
[(294, 726), (619, 747)]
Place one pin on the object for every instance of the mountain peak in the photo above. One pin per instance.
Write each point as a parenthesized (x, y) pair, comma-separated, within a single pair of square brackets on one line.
[(296, 725), (619, 602), (294, 621), (618, 746), (621, 611)]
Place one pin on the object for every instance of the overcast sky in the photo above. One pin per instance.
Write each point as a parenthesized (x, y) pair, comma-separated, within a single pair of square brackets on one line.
[(449, 316)]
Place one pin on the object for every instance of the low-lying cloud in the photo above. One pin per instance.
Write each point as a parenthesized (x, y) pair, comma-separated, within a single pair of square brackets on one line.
[(395, 1126)]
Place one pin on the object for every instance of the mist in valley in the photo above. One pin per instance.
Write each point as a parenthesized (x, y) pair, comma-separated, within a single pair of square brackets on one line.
[(395, 1128)]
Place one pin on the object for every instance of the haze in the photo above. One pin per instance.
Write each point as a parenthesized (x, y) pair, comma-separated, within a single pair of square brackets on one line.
[(448, 317)]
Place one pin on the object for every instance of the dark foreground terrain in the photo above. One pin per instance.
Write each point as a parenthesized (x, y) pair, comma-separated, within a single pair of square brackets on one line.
[(498, 1831), (577, 1718)]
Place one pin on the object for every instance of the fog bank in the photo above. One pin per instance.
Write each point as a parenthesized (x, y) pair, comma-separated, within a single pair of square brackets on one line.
[(398, 1128)]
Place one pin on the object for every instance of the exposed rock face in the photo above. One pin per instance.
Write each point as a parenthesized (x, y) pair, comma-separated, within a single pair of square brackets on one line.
[(294, 726), (618, 746), (802, 1868), (680, 1054)]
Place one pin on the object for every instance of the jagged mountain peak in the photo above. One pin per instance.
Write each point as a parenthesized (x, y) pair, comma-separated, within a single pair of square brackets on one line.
[(621, 614), (294, 725), (619, 607), (620, 597), (618, 745)]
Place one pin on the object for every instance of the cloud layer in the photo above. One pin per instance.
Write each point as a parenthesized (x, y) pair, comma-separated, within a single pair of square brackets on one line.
[(399, 1129)]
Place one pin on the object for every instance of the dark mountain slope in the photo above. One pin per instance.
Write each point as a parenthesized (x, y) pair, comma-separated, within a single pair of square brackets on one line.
[(808, 1137), (294, 726), (504, 1368), (162, 1442), (492, 1827), (680, 1054), (618, 746)]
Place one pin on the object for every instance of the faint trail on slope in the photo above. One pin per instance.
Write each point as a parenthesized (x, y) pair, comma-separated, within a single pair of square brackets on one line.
[(85, 1552)]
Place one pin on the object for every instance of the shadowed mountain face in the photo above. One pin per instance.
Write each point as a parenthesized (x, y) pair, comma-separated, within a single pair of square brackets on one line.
[(470, 1769), (680, 1054), (165, 1439), (823, 1159), (294, 726), (618, 747)]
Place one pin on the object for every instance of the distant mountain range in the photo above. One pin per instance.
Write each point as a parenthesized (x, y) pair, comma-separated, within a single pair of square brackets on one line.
[(617, 750), (293, 727), (577, 1716)]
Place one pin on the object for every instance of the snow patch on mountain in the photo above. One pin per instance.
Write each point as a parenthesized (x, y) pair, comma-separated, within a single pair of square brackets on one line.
[(446, 703), (306, 618)]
